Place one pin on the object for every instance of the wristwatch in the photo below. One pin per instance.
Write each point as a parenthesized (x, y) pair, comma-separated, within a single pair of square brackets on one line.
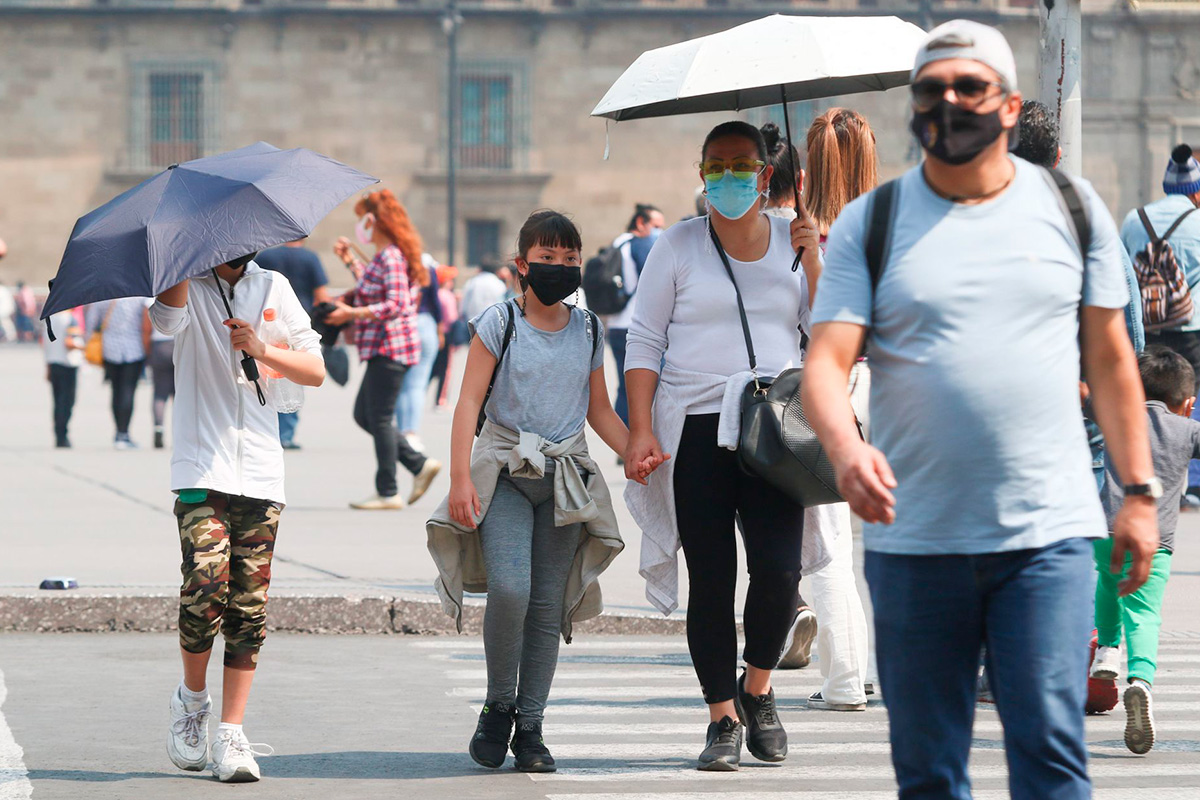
[(1152, 488)]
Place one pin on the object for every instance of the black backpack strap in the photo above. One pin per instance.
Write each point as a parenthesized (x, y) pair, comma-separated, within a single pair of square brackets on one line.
[(878, 245), (594, 321), (1074, 207), (1177, 223), (509, 325)]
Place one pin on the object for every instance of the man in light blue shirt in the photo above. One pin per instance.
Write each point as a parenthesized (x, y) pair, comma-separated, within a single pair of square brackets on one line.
[(978, 491), (1182, 186)]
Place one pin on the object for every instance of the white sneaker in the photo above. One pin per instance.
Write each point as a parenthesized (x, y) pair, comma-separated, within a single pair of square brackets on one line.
[(380, 503), (1139, 718), (423, 478), (1106, 666), (816, 701), (797, 650), (187, 737), (233, 757)]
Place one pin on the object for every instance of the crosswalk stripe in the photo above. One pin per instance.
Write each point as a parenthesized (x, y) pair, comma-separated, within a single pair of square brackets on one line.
[(626, 674), (843, 773), (558, 728), (784, 698), (616, 645), (14, 777)]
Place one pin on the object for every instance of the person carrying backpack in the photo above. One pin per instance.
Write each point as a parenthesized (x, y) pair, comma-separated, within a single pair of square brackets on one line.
[(976, 489), (1163, 239), (529, 518)]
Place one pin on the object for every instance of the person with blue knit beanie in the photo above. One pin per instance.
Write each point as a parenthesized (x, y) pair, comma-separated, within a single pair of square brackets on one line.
[(1181, 183)]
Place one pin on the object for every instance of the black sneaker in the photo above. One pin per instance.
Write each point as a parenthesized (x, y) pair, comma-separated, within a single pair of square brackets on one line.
[(765, 737), (529, 749), (62, 443), (489, 745), (723, 749), (158, 439)]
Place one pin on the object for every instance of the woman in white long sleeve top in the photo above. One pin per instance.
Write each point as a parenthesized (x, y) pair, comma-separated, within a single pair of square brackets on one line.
[(687, 315)]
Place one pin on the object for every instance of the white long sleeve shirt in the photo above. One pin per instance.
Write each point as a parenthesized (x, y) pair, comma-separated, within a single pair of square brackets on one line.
[(224, 439), (687, 309)]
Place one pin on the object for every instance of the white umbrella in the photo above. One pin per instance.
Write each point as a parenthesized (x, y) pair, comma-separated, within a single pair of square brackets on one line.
[(772, 60), (763, 62)]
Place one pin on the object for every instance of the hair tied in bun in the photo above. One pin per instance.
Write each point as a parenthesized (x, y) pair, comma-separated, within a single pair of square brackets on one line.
[(771, 136)]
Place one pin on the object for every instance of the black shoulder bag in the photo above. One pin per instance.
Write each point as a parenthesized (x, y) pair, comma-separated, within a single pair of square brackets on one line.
[(776, 442)]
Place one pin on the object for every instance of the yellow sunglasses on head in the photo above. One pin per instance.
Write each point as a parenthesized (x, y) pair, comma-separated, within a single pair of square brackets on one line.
[(741, 168)]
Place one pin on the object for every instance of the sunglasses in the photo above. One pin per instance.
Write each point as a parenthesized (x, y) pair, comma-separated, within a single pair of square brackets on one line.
[(741, 168), (969, 92)]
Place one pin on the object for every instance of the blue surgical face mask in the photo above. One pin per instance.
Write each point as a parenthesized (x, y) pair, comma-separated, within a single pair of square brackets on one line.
[(730, 196)]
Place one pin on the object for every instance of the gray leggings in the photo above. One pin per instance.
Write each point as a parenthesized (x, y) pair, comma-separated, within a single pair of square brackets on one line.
[(527, 561)]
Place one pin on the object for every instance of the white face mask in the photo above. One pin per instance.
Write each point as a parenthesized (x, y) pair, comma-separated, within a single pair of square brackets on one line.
[(365, 229)]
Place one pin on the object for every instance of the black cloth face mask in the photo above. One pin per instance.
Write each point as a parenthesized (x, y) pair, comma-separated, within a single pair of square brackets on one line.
[(552, 283), (953, 134)]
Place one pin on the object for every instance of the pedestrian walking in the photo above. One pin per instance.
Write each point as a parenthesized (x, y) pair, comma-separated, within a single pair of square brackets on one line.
[(484, 289), (64, 356), (302, 267), (227, 473), (1174, 441), (383, 306), (414, 394), (449, 324), (686, 368), (842, 165), (529, 518), (122, 325), (976, 487), (634, 245), (1172, 219), (162, 372), (26, 313)]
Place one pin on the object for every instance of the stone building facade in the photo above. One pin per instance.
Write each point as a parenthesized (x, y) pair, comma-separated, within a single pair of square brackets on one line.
[(96, 95)]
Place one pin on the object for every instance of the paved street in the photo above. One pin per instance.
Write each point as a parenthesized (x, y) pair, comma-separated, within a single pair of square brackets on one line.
[(385, 716), (389, 717)]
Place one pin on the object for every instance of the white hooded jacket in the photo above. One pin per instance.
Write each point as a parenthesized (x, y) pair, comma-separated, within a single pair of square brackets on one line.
[(225, 440)]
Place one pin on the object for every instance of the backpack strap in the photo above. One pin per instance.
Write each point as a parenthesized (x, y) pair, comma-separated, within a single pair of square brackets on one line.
[(593, 330), (1149, 228), (878, 245), (509, 325), (1177, 223), (1073, 205)]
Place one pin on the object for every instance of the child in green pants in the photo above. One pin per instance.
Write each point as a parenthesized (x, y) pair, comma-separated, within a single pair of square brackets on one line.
[(1168, 379)]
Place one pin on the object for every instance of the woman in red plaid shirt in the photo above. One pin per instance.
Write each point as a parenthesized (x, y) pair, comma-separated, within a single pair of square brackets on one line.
[(383, 306)]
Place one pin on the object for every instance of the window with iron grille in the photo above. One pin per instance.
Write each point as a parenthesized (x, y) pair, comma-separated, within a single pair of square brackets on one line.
[(494, 109), (174, 115)]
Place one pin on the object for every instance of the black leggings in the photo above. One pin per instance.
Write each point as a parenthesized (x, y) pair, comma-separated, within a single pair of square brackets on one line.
[(710, 490), (124, 379)]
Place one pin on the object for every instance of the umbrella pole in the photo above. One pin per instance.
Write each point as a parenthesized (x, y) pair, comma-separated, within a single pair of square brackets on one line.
[(787, 129), (249, 365)]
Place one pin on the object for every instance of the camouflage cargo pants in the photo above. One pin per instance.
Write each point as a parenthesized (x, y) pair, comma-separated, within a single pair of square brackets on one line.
[(227, 544)]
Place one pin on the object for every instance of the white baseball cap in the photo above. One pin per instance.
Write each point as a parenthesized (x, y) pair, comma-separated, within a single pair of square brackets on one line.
[(961, 38)]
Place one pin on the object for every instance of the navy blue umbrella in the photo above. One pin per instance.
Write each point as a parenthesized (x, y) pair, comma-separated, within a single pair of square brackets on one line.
[(193, 216)]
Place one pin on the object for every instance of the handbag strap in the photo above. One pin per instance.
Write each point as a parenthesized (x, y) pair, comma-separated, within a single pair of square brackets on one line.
[(112, 306), (741, 307)]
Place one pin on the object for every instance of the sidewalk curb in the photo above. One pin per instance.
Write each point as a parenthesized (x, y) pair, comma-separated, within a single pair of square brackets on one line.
[(59, 612)]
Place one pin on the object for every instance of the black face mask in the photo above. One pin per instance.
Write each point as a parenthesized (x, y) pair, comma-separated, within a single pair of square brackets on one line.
[(955, 135), (552, 283)]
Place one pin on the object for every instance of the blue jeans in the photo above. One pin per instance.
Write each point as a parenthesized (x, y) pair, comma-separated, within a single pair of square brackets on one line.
[(616, 340), (1033, 610), (287, 427), (410, 406)]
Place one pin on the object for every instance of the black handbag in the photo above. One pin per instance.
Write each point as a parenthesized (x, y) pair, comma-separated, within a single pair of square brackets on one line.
[(776, 442)]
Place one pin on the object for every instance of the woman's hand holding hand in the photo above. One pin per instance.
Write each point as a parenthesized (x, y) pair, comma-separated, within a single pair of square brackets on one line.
[(464, 503), (243, 337), (643, 456)]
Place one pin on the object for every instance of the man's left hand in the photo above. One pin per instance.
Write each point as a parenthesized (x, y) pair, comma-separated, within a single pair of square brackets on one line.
[(1135, 532), (243, 337)]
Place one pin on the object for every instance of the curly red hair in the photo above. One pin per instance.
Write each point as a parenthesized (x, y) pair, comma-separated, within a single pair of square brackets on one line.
[(393, 222)]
